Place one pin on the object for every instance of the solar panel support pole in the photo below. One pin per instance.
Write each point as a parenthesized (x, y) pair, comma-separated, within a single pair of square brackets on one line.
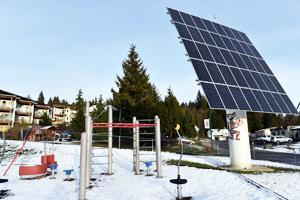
[(239, 146)]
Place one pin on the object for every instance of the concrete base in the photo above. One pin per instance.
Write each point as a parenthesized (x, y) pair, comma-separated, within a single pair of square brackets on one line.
[(239, 146)]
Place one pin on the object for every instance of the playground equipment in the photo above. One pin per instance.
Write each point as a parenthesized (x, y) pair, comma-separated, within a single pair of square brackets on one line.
[(68, 174), (179, 181), (148, 165), (34, 171), (87, 155), (136, 144), (53, 168)]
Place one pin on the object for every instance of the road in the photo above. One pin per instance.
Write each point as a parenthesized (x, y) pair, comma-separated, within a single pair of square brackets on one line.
[(288, 158)]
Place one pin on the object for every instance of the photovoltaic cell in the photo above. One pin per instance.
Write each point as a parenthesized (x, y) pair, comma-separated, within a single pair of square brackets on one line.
[(238, 77), (199, 23), (270, 99), (205, 54), (187, 19), (183, 31), (217, 55), (213, 97), (214, 72), (230, 69), (239, 98), (262, 101), (207, 37), (289, 103), (201, 70), (281, 103), (195, 34), (226, 97), (229, 79), (251, 100), (250, 80), (191, 48)]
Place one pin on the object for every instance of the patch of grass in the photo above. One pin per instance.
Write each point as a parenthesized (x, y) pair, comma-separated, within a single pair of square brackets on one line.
[(193, 164), (189, 150), (206, 166)]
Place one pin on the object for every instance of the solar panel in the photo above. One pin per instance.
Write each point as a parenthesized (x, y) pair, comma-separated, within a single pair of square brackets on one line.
[(231, 71)]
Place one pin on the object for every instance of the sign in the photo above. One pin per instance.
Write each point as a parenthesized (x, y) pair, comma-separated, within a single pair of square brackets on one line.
[(206, 124)]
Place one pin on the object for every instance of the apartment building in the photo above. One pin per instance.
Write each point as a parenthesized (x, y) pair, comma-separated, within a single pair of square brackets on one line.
[(15, 109), (7, 110), (61, 114), (39, 111)]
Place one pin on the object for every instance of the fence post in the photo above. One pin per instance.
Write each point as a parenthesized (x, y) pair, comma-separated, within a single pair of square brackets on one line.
[(119, 142), (83, 155), (158, 146), (110, 138), (89, 143)]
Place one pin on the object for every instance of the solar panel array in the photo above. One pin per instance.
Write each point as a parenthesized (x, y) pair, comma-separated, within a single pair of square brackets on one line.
[(231, 71)]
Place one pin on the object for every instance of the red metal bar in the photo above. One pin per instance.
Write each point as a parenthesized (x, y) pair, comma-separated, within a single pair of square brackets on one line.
[(122, 125), (19, 151)]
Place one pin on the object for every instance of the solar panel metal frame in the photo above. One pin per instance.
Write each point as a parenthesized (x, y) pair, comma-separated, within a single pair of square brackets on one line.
[(215, 46)]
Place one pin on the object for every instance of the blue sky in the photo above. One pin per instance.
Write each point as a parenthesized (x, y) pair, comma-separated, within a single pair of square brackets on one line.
[(60, 46)]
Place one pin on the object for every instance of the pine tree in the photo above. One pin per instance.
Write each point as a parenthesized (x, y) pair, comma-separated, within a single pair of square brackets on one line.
[(135, 96), (171, 115), (41, 99), (201, 102), (78, 122), (56, 100), (188, 123), (50, 102), (99, 114), (45, 120)]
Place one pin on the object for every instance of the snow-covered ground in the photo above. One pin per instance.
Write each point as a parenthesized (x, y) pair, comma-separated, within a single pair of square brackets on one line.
[(285, 148), (123, 184)]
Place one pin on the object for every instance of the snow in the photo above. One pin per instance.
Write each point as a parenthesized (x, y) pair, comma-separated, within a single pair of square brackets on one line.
[(123, 184), (292, 148)]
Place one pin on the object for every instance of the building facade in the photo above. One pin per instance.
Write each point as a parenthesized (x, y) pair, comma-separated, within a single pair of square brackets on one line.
[(15, 109)]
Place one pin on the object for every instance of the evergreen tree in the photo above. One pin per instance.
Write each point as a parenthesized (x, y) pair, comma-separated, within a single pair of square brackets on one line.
[(50, 102), (45, 120), (188, 123), (99, 114), (171, 114), (56, 100), (78, 122), (201, 102), (41, 99), (255, 121), (135, 96), (218, 119)]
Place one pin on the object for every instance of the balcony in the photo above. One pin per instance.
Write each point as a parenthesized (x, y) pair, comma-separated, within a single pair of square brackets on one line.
[(6, 107), (23, 111), (38, 115), (59, 114), (5, 120), (23, 119)]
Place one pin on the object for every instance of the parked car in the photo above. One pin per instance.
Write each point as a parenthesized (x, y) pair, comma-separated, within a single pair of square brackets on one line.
[(263, 139), (281, 139), (186, 140)]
